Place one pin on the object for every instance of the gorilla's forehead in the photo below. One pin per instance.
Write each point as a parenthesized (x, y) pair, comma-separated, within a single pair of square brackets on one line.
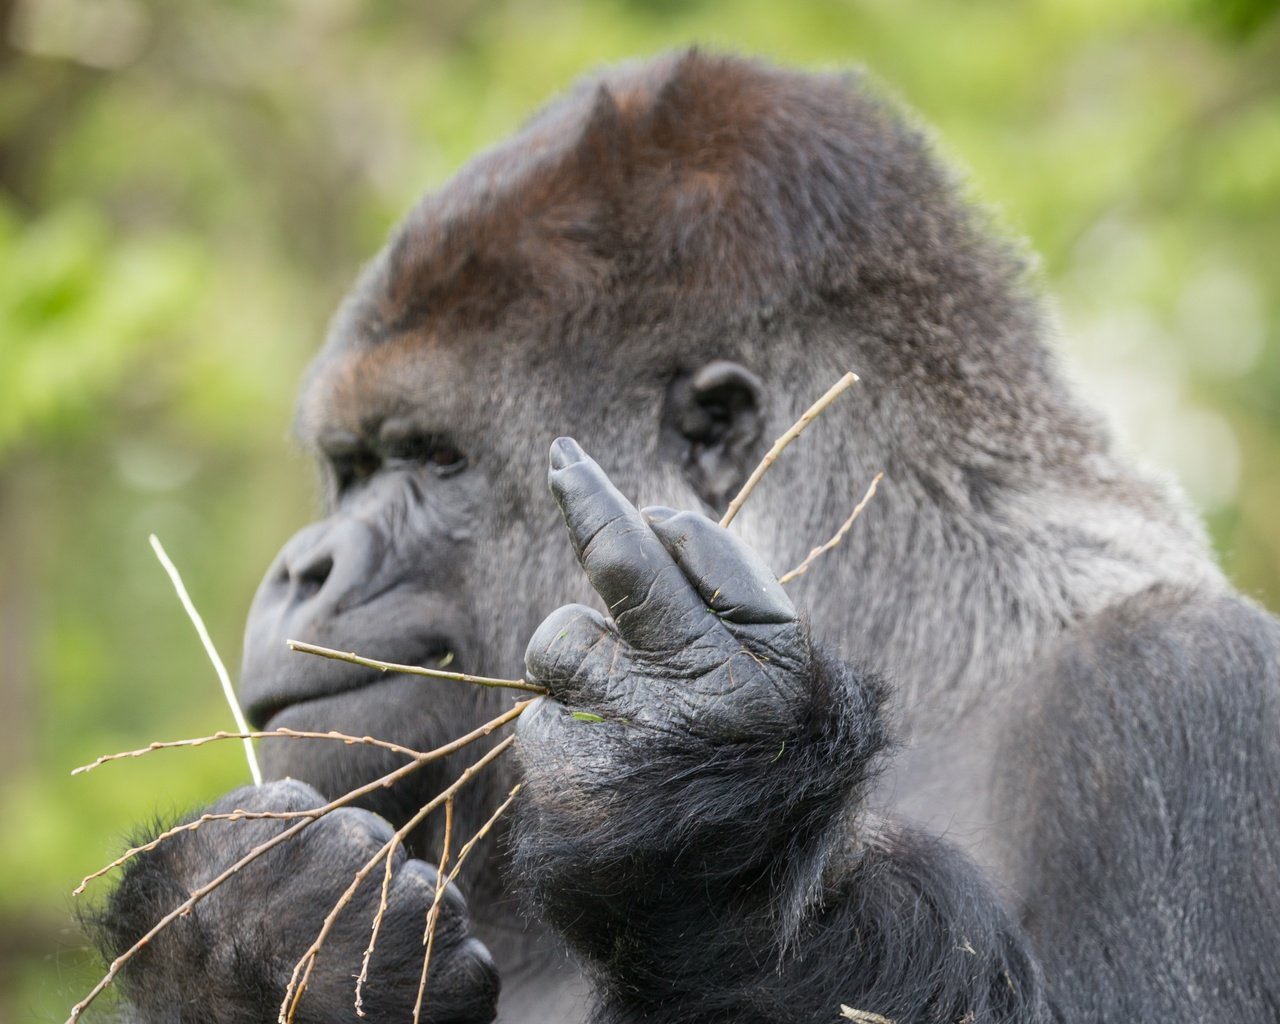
[(693, 181), (352, 388), (683, 199)]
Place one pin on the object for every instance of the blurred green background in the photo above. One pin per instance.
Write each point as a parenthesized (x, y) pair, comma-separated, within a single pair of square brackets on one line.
[(186, 189)]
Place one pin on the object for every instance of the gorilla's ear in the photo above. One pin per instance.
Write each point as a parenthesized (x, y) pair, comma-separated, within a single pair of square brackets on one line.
[(712, 424)]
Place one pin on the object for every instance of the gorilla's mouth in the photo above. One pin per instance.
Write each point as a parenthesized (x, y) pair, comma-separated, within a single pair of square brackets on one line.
[(308, 678)]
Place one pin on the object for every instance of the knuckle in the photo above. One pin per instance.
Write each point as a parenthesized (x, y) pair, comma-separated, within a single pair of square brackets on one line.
[(285, 795), (346, 837), (415, 886), (473, 967), (354, 829), (684, 526), (476, 950), (293, 795)]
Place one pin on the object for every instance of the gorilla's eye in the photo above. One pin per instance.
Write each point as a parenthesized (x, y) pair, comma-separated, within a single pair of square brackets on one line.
[(353, 466), (446, 459), (424, 449)]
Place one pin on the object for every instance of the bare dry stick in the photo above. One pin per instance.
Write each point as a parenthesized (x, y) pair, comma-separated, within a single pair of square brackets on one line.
[(433, 913), (237, 815), (291, 734), (483, 831), (254, 771), (294, 992), (302, 969), (845, 527), (453, 875), (190, 826), (833, 392), (413, 670), (384, 898), (306, 817)]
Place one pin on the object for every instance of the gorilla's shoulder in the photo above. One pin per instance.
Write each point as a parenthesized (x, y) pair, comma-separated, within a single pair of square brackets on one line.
[(1172, 671), (1189, 633)]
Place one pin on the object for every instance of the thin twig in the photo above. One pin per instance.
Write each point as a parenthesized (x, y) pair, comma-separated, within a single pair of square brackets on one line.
[(302, 969), (237, 815), (483, 831), (265, 734), (384, 899), (833, 392), (185, 907), (413, 670), (190, 826), (822, 549), (254, 771), (433, 913)]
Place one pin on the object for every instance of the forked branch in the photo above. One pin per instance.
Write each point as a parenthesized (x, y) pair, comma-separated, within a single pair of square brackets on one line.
[(306, 818), (303, 968), (386, 892)]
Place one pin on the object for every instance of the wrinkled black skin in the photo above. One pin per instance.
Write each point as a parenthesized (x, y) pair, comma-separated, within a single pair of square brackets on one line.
[(668, 264)]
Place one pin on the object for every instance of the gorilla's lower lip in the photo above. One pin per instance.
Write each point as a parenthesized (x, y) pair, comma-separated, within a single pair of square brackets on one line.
[(263, 711)]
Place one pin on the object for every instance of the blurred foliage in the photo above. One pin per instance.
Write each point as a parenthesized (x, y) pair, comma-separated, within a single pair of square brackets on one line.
[(186, 189)]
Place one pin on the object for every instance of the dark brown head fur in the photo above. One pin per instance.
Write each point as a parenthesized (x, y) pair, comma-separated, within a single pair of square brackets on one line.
[(694, 184)]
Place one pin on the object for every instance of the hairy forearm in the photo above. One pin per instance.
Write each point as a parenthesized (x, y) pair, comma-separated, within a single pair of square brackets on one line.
[(676, 829), (904, 930), (704, 880)]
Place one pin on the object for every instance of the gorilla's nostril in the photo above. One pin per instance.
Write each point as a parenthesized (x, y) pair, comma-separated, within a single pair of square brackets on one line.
[(311, 576)]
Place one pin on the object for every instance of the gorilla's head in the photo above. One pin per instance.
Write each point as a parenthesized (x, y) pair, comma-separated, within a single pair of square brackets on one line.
[(667, 263)]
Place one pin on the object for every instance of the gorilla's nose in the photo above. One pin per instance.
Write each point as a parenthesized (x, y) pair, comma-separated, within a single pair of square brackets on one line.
[(323, 587), (328, 568), (306, 572)]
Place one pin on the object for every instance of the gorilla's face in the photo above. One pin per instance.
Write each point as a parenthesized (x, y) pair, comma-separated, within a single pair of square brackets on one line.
[(429, 554), (441, 545)]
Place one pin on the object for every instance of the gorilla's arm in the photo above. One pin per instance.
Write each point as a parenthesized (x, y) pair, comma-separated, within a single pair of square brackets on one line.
[(690, 820), (1145, 773), (708, 880), (229, 960)]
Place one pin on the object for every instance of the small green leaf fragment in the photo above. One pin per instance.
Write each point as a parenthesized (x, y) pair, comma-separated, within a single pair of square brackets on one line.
[(586, 716)]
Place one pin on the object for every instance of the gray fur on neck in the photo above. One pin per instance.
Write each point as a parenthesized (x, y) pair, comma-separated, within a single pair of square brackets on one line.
[(1003, 520)]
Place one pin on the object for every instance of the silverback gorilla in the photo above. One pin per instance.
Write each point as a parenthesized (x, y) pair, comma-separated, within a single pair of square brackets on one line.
[(1008, 754)]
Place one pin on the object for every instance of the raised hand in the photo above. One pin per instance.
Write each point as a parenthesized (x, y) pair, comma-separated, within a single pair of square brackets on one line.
[(701, 636), (696, 754)]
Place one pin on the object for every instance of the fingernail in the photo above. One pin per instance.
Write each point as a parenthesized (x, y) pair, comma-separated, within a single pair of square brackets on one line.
[(658, 513), (565, 451)]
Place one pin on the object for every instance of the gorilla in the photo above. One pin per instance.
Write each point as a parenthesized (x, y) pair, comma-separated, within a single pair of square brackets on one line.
[(1008, 754)]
